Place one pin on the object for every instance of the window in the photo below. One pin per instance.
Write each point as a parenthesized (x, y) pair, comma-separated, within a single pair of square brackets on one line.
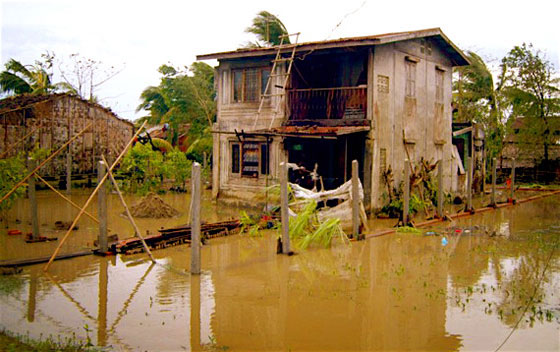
[(382, 84), (410, 72), (439, 86), (249, 83), (250, 159), (235, 158)]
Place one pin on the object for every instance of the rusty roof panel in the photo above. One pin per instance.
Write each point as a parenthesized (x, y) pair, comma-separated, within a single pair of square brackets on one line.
[(458, 58)]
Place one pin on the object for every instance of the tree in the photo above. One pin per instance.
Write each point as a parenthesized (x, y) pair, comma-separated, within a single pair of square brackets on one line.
[(18, 78), (478, 100), (83, 76), (182, 97), (532, 89), (268, 29)]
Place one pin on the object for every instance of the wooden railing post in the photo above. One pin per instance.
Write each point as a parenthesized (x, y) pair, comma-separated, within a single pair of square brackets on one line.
[(102, 207), (494, 166), (284, 208), (195, 219), (469, 183), (355, 200), (33, 200), (440, 189), (406, 191)]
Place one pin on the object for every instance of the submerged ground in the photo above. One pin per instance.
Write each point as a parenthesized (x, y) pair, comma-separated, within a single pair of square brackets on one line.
[(495, 274)]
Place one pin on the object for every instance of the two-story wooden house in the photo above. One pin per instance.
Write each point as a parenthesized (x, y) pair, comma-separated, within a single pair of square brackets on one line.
[(377, 99)]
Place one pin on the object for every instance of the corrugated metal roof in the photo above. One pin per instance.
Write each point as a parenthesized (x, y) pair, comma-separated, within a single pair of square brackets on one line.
[(457, 56)]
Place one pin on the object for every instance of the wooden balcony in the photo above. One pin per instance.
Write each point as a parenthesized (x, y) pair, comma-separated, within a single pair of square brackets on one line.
[(327, 103)]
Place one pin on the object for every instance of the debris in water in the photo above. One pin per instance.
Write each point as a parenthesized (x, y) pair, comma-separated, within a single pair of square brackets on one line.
[(444, 241), (152, 206)]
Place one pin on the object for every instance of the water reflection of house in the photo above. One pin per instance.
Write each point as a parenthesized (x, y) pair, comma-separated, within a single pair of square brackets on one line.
[(377, 99), (53, 119)]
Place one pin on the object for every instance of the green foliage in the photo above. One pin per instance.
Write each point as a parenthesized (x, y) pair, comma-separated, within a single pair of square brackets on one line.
[(183, 97), (15, 342), (267, 28), (532, 89), (306, 229), (12, 170), (144, 170), (479, 101), (408, 229), (203, 144)]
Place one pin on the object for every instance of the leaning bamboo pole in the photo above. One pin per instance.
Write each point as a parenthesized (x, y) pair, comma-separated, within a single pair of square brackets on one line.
[(128, 214), (43, 163), (5, 152), (66, 199), (91, 196)]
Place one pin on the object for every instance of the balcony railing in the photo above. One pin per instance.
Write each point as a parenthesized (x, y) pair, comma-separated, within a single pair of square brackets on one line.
[(327, 103)]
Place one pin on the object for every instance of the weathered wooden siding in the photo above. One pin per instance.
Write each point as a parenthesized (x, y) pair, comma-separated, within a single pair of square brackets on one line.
[(58, 118)]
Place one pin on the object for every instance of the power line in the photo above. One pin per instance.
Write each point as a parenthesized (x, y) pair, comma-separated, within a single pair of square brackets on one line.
[(346, 16)]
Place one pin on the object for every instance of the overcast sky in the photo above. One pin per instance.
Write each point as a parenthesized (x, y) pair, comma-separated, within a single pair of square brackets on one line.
[(139, 36)]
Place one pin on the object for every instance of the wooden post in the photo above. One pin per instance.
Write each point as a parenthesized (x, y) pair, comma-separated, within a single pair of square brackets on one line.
[(102, 207), (440, 190), (195, 313), (69, 171), (102, 303), (33, 200), (195, 219), (284, 208), (494, 166), (512, 196), (406, 191), (469, 183), (355, 200)]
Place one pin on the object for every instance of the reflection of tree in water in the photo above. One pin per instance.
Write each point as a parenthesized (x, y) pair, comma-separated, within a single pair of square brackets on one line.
[(517, 264), (525, 288)]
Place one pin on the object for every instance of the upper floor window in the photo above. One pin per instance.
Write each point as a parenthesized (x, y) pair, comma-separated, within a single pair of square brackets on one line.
[(439, 86), (410, 72), (249, 84)]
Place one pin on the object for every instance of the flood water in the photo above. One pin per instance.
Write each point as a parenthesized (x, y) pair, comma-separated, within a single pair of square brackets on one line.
[(498, 272)]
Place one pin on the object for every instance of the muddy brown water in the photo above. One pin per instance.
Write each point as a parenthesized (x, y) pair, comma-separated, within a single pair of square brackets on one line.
[(395, 292)]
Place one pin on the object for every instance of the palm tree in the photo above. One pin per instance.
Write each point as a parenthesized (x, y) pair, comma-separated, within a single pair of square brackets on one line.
[(19, 79), (268, 29)]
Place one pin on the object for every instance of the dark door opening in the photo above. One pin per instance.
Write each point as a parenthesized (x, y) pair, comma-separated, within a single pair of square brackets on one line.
[(333, 157)]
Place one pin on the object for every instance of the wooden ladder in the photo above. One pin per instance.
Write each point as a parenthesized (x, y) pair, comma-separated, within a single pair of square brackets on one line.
[(273, 74)]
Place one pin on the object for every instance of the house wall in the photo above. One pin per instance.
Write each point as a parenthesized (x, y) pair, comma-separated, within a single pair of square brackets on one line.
[(59, 119), (392, 114), (236, 116), (388, 110)]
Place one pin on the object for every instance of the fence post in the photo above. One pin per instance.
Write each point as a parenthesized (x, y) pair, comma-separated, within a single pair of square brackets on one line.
[(68, 171), (33, 200), (440, 189), (512, 197), (284, 208), (102, 207), (355, 201), (406, 191), (494, 167), (195, 219), (469, 183)]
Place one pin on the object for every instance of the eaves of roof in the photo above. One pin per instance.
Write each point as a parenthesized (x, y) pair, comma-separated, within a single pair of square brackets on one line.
[(457, 56)]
